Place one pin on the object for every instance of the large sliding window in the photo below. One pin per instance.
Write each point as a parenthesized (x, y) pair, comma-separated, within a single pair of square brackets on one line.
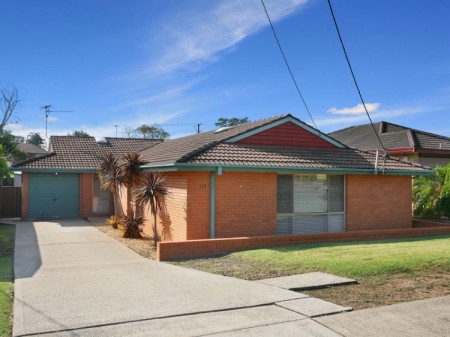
[(310, 203)]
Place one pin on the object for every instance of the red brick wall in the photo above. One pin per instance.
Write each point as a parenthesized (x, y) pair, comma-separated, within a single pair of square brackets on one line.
[(378, 202), (287, 134), (172, 218), (85, 195), (24, 195), (246, 204), (196, 248), (198, 215)]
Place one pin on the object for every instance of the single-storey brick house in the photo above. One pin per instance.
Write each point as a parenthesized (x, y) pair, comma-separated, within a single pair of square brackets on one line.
[(273, 176), (401, 142)]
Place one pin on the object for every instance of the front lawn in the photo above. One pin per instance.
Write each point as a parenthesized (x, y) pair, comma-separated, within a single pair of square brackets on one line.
[(388, 271), (6, 277)]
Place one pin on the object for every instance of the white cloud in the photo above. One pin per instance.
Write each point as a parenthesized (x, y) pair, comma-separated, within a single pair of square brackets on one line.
[(193, 40), (356, 110), (378, 115), (52, 119)]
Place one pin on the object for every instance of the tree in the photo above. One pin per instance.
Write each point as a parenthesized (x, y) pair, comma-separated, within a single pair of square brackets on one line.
[(11, 151), (9, 99), (112, 178), (224, 122), (35, 138), (154, 131), (431, 194), (4, 169), (152, 191), (80, 133)]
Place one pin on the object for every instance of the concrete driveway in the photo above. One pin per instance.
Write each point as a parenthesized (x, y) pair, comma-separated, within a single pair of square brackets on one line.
[(72, 279)]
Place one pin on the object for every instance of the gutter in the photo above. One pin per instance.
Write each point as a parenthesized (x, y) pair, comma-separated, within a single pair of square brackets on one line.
[(277, 169), (50, 170)]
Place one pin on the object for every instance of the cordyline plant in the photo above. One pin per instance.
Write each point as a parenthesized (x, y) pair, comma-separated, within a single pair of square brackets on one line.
[(132, 225), (112, 177), (152, 190), (132, 162)]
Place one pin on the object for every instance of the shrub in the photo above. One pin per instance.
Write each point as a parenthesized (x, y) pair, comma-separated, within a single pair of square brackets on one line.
[(431, 194), (132, 225), (113, 221)]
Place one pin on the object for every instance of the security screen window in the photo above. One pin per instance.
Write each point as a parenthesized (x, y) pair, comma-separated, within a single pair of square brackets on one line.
[(310, 203)]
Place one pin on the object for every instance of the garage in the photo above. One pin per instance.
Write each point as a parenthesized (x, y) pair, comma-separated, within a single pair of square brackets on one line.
[(53, 195)]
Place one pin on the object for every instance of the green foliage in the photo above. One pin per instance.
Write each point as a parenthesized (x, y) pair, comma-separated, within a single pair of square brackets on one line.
[(4, 169), (10, 149), (35, 138), (6, 278), (224, 122), (154, 131), (431, 194), (80, 133)]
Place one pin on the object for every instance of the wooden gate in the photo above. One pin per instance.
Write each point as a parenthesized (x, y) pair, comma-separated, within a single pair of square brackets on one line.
[(10, 202)]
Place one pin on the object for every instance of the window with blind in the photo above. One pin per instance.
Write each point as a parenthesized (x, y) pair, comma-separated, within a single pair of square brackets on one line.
[(310, 203)]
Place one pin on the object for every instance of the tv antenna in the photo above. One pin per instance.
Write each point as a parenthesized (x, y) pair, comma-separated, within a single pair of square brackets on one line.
[(48, 109)]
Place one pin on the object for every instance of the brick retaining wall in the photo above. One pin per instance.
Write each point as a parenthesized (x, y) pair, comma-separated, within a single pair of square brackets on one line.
[(422, 223), (171, 250)]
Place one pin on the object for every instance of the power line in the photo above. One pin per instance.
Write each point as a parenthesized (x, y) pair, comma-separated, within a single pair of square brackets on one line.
[(354, 77), (287, 64)]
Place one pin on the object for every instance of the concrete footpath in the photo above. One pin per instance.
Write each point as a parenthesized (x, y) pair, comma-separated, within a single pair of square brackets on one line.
[(73, 280)]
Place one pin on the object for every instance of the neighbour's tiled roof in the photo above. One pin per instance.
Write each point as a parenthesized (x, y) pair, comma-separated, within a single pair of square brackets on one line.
[(295, 157), (180, 149), (119, 146), (70, 152), (31, 148), (392, 135)]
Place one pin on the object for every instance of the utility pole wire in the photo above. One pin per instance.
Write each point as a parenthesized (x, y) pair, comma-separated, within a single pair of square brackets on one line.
[(354, 78), (287, 64)]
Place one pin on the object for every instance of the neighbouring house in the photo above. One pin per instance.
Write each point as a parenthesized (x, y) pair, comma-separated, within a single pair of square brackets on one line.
[(31, 150), (401, 142), (274, 176), (64, 183)]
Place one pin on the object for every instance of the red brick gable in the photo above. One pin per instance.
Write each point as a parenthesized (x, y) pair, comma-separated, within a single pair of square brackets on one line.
[(287, 134)]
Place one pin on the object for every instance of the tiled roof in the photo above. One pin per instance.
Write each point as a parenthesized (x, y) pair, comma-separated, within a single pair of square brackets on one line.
[(69, 152), (31, 148), (119, 146), (392, 135), (183, 148), (294, 157)]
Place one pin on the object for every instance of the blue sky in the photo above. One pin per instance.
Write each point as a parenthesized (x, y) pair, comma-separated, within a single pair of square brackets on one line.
[(179, 63)]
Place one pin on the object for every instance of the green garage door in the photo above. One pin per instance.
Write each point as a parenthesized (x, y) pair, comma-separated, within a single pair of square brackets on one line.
[(53, 195)]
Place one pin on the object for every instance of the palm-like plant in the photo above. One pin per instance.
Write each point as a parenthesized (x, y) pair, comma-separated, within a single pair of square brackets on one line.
[(131, 167), (132, 225), (112, 177), (152, 191)]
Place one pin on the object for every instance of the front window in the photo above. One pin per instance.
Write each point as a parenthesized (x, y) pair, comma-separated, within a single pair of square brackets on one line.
[(310, 203)]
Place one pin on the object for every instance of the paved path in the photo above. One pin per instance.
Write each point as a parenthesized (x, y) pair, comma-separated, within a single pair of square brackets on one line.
[(72, 279)]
